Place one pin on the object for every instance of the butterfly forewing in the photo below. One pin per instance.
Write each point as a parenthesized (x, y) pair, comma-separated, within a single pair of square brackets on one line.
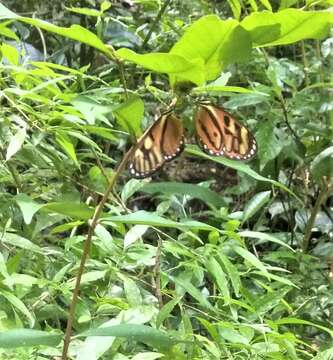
[(220, 134), (161, 142)]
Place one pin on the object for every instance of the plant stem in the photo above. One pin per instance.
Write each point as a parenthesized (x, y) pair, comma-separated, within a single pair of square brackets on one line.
[(324, 192), (157, 19), (86, 248)]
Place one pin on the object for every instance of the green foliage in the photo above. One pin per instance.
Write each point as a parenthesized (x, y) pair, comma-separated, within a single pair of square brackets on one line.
[(212, 258)]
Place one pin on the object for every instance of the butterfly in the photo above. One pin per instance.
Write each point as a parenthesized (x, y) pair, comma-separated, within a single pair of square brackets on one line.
[(220, 134), (161, 142)]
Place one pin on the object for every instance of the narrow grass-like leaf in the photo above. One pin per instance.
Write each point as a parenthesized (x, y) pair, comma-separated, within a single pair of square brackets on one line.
[(296, 321), (165, 311), (193, 291), (255, 204), (264, 237), (18, 305), (21, 242), (215, 269), (232, 272), (195, 191), (78, 211), (27, 337), (141, 333), (147, 218), (253, 260)]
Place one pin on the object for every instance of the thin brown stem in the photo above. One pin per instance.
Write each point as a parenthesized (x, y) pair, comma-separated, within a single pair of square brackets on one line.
[(157, 272), (157, 19), (286, 117), (323, 194), (86, 247)]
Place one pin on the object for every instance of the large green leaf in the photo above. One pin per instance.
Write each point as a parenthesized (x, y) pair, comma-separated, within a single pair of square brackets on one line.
[(293, 24), (218, 42), (142, 333), (195, 191), (28, 337), (167, 63)]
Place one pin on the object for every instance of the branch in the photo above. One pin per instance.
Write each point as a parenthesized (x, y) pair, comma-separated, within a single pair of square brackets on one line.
[(323, 194), (86, 247)]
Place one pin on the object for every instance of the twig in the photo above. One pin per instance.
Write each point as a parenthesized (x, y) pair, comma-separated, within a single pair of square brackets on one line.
[(157, 272), (86, 248), (323, 194), (286, 118), (157, 19)]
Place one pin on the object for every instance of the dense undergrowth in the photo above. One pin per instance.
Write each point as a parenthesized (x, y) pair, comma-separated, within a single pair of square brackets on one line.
[(211, 258)]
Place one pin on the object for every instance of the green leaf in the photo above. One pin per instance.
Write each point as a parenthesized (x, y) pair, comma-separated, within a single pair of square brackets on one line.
[(5, 31), (85, 11), (232, 272), (168, 63), (141, 333), (192, 290), (130, 188), (16, 143), (78, 211), (147, 218), (235, 8), (246, 99), (91, 109), (28, 337), (132, 292), (269, 146), (75, 32), (253, 260), (165, 311), (255, 204), (18, 305), (264, 237), (232, 335), (195, 191), (28, 206), (322, 164), (223, 88), (295, 25), (267, 4), (295, 321), (324, 355), (215, 269), (10, 53), (129, 115), (21, 242), (240, 166), (66, 143), (217, 42)]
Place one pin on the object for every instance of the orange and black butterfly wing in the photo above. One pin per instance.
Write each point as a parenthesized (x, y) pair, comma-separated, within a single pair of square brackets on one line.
[(161, 142), (220, 134)]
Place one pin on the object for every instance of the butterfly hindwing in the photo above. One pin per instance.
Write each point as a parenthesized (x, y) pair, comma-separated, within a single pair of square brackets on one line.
[(220, 134), (161, 142)]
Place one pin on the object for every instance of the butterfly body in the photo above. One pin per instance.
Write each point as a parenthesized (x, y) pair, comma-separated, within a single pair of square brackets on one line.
[(220, 134), (161, 142)]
